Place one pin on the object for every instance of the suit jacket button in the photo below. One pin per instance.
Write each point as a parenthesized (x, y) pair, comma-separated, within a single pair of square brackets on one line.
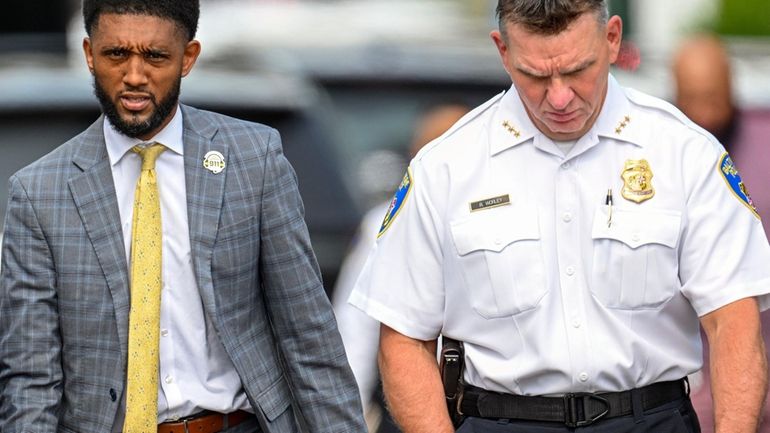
[(113, 394)]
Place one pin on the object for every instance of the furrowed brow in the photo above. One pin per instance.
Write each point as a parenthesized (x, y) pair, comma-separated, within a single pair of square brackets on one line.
[(585, 65), (532, 72)]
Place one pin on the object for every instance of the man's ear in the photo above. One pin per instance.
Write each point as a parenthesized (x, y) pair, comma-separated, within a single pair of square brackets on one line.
[(614, 36), (191, 52), (89, 54), (502, 47)]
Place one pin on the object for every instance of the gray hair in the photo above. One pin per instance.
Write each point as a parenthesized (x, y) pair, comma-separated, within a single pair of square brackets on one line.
[(548, 17)]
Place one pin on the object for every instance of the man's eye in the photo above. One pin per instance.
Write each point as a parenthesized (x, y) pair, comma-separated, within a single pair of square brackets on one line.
[(534, 77), (154, 56), (116, 54), (573, 73)]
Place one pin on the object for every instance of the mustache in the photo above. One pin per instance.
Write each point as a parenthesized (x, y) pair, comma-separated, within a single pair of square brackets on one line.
[(138, 91)]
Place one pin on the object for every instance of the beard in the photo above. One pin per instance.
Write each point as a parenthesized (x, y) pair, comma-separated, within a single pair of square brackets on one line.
[(134, 127)]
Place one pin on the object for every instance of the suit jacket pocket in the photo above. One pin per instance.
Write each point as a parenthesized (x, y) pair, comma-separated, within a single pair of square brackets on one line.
[(235, 251), (275, 399)]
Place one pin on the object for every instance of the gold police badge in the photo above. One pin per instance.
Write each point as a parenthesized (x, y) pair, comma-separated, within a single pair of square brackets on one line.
[(637, 181)]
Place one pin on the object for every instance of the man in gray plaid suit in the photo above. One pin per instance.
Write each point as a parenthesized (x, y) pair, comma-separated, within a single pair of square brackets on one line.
[(247, 339)]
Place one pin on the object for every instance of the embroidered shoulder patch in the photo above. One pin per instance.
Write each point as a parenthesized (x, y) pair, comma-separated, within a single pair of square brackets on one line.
[(730, 174), (398, 200)]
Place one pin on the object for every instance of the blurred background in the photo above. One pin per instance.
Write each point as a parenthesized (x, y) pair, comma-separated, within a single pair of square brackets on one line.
[(343, 81)]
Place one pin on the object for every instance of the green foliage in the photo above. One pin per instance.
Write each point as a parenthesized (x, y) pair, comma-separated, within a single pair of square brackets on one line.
[(743, 18)]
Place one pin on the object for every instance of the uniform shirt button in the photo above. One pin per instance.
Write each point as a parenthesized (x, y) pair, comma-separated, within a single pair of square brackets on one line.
[(570, 270), (583, 377), (169, 379), (576, 323), (164, 332), (566, 165), (498, 241), (635, 237), (566, 217)]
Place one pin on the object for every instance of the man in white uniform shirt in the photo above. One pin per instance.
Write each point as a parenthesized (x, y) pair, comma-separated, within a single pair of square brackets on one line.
[(573, 234)]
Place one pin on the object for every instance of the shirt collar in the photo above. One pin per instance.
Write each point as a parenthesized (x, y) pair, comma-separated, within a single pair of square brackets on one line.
[(119, 144), (616, 120), (512, 125)]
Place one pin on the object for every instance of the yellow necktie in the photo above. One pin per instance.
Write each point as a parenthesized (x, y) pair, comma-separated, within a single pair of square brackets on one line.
[(144, 317)]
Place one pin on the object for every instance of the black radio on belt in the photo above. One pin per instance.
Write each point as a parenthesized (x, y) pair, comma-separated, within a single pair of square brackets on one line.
[(452, 363)]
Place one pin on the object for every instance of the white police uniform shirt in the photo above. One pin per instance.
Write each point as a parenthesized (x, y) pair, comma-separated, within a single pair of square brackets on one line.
[(547, 294)]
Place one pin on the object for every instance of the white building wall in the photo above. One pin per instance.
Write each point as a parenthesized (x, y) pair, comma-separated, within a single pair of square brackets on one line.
[(661, 23)]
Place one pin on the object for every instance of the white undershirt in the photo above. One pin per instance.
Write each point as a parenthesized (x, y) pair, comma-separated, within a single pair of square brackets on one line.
[(195, 371), (565, 146)]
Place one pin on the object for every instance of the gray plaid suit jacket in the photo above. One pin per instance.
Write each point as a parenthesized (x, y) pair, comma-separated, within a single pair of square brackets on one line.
[(64, 293)]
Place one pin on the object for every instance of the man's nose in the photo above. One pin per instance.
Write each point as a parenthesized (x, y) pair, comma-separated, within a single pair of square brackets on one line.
[(560, 94), (134, 75)]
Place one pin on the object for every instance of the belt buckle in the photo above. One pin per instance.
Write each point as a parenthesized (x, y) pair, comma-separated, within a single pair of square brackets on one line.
[(572, 416), (185, 421)]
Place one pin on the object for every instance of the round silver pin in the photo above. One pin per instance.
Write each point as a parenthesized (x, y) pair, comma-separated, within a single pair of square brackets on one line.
[(214, 162)]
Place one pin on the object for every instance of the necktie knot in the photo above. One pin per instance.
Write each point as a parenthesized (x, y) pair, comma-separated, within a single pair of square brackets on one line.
[(149, 154)]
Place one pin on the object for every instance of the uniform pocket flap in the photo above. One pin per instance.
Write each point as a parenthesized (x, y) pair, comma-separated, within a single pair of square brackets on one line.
[(275, 399), (638, 227), (495, 229)]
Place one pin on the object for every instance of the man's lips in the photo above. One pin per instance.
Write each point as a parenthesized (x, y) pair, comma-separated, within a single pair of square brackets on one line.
[(562, 117), (134, 101)]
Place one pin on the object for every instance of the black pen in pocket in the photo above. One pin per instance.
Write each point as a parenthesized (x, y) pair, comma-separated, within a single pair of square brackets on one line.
[(608, 202)]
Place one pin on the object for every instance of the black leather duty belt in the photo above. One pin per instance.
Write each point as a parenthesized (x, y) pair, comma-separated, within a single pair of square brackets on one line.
[(573, 410)]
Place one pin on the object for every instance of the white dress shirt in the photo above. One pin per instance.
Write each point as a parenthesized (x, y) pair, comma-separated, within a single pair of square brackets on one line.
[(195, 371), (549, 293)]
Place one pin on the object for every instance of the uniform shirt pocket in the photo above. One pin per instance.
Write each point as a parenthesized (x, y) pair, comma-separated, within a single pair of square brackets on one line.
[(635, 261), (501, 260)]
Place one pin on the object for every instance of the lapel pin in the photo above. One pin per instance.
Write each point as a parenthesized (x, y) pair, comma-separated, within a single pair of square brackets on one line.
[(214, 162)]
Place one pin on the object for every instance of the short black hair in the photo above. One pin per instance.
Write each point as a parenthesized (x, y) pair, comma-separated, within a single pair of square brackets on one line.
[(547, 17), (184, 13)]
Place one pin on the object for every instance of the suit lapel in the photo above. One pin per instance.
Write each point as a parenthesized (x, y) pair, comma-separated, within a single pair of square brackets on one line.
[(93, 192), (205, 192)]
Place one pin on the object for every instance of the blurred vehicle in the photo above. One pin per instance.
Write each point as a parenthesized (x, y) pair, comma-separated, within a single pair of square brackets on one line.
[(376, 111), (43, 103), (381, 63)]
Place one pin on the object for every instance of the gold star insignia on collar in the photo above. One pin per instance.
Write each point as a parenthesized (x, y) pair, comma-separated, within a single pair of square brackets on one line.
[(622, 125), (507, 125)]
